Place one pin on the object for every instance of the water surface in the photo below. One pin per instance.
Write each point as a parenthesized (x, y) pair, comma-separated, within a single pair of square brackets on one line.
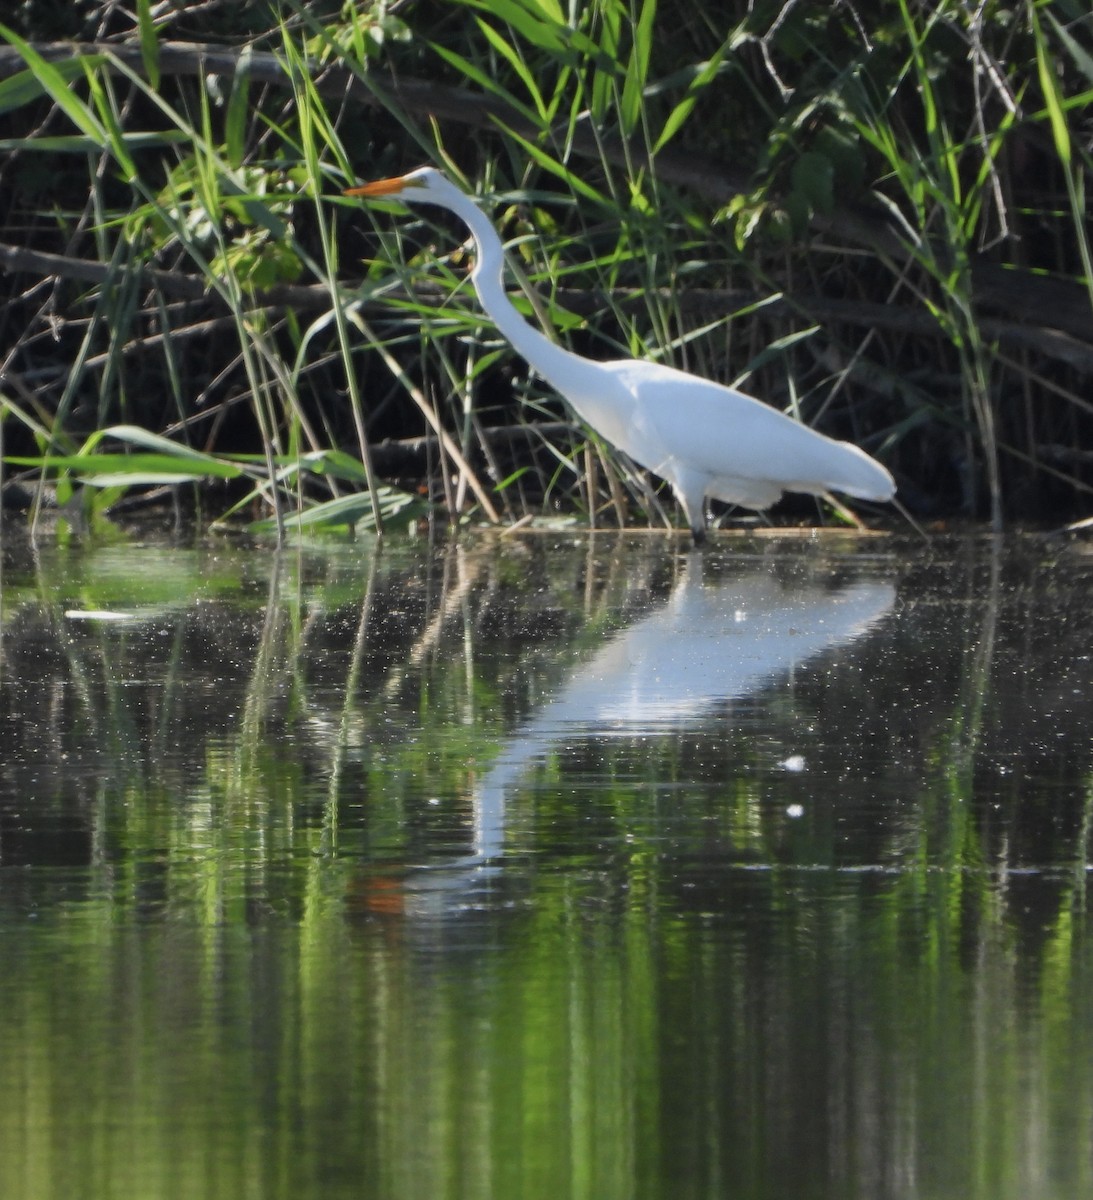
[(550, 866)]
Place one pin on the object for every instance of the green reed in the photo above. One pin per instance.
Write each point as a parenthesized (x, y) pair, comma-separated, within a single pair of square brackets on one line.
[(215, 290)]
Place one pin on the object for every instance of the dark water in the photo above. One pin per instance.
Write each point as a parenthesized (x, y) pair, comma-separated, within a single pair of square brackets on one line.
[(547, 867)]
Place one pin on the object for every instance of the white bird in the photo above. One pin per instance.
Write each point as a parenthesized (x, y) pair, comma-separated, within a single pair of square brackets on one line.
[(705, 439)]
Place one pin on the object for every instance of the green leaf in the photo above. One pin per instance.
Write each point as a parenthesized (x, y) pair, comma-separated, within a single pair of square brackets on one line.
[(1049, 85), (57, 86), (113, 139), (637, 69), (238, 117), (508, 53), (149, 42), (813, 178), (548, 163), (127, 479), (676, 118), (548, 10), (485, 81), (156, 442), (844, 153), (1082, 59), (778, 347), (77, 143), (540, 29), (111, 469), (336, 463), (346, 512), (792, 219), (25, 87)]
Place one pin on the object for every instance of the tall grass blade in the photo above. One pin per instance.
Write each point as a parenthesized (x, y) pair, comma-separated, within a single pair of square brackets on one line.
[(677, 118), (1049, 86), (58, 87), (632, 104), (149, 42)]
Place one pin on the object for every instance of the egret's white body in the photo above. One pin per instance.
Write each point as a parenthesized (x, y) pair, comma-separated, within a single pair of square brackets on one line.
[(704, 438)]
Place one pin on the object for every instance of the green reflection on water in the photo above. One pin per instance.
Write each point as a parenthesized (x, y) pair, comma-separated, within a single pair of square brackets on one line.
[(251, 944)]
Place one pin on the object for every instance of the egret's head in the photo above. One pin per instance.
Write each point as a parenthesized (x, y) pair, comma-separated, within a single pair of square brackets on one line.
[(425, 185)]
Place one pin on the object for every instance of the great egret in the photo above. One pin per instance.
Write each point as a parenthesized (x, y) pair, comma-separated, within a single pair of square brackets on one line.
[(704, 438)]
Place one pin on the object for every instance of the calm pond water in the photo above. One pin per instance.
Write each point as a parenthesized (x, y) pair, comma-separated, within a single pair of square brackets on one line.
[(550, 866)]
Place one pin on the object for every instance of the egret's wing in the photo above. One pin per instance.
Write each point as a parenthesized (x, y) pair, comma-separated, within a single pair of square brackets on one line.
[(754, 452)]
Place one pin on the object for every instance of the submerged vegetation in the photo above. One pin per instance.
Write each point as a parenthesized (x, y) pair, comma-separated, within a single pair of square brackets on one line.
[(880, 227)]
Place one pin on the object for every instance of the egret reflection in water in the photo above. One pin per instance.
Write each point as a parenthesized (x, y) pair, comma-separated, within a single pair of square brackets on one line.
[(707, 644)]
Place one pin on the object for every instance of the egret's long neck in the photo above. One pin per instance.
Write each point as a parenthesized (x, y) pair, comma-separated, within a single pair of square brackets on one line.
[(554, 363)]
